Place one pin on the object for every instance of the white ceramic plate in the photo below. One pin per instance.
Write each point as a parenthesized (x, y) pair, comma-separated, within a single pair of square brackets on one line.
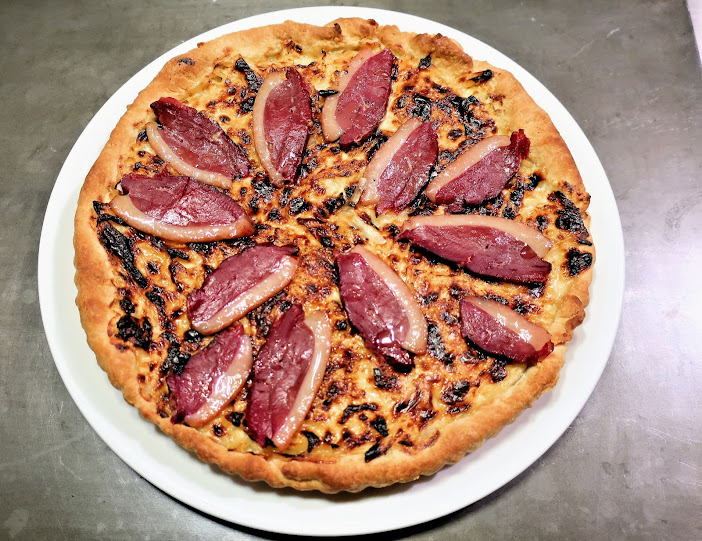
[(177, 472)]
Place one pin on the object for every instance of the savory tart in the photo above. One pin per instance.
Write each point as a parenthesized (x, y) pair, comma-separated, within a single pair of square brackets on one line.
[(332, 257)]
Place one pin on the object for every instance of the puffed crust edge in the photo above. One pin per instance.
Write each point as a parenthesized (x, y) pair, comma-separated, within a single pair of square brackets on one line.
[(94, 272)]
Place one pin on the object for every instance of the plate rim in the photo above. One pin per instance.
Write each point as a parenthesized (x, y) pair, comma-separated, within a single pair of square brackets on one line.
[(132, 455)]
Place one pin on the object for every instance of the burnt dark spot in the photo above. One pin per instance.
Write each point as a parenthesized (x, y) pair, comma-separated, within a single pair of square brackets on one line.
[(142, 136), (455, 134), (218, 430), (436, 346), (497, 370), (406, 443), (252, 80), (509, 213), (569, 218), (400, 102), (354, 408), (298, 205), (284, 196), (327, 93), (447, 318), (341, 325), (484, 76), (204, 248), (455, 392), (121, 247), (187, 61), (274, 215), (380, 426), (373, 453), (235, 418), (326, 242), (246, 106), (578, 261), (224, 118), (430, 299), (192, 336), (534, 180), (152, 267), (385, 381), (541, 222), (312, 440), (175, 361), (126, 305), (172, 252), (394, 72), (421, 107), (129, 329), (425, 62), (349, 191)]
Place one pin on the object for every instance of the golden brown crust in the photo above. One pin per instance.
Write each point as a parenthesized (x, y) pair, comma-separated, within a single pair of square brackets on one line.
[(448, 438)]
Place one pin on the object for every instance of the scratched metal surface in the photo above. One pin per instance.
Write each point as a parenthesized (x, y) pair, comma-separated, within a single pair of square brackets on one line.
[(630, 466)]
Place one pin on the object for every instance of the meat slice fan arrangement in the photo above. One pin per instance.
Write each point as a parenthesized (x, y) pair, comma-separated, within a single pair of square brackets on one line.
[(288, 371)]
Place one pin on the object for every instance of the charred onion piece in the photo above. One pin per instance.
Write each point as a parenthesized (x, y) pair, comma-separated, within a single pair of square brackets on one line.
[(180, 209), (212, 377), (362, 99), (287, 374), (241, 283), (281, 115), (381, 306), (401, 167), (481, 172), (499, 330)]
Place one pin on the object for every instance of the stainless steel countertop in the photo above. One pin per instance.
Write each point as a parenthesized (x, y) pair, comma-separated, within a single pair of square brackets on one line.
[(629, 467)]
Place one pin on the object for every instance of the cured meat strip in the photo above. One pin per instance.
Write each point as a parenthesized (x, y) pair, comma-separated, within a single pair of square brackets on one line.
[(195, 145), (281, 116), (499, 330), (481, 172), (486, 245), (241, 283), (381, 306), (212, 377), (356, 111), (180, 209), (287, 376), (401, 167)]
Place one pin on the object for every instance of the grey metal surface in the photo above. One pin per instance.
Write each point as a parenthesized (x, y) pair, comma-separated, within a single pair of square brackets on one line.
[(630, 466)]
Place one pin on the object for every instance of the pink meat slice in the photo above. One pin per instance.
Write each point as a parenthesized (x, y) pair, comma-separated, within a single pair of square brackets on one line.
[(373, 309), (236, 275), (194, 385), (279, 371), (487, 251), (286, 118), (180, 201), (364, 101), (489, 334), (488, 177), (408, 170), (199, 140)]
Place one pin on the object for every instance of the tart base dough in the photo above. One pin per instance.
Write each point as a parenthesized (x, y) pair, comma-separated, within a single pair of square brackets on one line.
[(463, 434)]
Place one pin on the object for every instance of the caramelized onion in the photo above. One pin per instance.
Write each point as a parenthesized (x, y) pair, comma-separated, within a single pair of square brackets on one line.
[(125, 209), (318, 323), (167, 155), (528, 235), (226, 387), (382, 158), (466, 160), (415, 339), (330, 127)]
